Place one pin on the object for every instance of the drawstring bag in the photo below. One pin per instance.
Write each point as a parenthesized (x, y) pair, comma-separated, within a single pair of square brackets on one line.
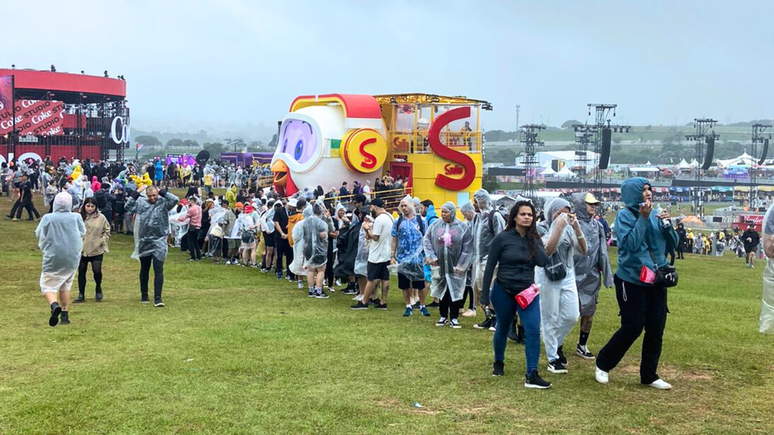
[(555, 270)]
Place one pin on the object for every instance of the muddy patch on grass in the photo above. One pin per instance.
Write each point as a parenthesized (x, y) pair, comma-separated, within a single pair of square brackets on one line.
[(668, 372)]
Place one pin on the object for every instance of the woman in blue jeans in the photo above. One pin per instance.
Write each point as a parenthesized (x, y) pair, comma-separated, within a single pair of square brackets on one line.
[(516, 251)]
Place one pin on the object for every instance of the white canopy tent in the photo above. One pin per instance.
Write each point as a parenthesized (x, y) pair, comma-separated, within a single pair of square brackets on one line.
[(565, 172), (548, 171)]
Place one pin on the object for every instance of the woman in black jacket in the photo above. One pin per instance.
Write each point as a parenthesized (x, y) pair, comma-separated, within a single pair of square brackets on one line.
[(516, 251)]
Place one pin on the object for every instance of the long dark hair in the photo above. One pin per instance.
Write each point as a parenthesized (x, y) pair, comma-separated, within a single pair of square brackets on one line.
[(89, 200), (532, 233)]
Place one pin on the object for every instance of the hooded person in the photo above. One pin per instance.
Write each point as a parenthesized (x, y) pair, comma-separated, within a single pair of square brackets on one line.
[(409, 255), (559, 305), (592, 269), (767, 303), (469, 213), (316, 227), (347, 243), (449, 251), (642, 241), (486, 226), (297, 233), (60, 238), (151, 227)]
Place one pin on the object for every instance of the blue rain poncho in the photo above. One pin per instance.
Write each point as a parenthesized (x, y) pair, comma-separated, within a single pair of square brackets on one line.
[(60, 238), (451, 245), (151, 225), (410, 253)]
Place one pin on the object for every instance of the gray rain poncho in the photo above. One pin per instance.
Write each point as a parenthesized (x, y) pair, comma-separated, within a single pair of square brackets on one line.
[(566, 247), (486, 226), (60, 237), (297, 265), (315, 238), (361, 259), (450, 244), (767, 304), (590, 269), (178, 228), (151, 225)]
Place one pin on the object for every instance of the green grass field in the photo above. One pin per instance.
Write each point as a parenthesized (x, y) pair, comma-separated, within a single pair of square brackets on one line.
[(235, 351)]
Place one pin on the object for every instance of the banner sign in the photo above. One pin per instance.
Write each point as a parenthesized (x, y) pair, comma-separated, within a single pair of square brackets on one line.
[(6, 101), (35, 117)]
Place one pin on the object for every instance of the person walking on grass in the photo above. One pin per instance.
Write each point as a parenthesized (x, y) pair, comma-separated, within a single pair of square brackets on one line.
[(59, 237), (750, 239), (487, 225), (591, 270), (448, 245), (315, 249), (379, 235), (642, 241), (559, 305), (25, 201), (194, 217), (515, 252), (95, 244), (151, 228)]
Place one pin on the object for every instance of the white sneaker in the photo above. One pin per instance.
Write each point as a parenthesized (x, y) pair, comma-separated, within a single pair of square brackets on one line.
[(601, 376), (228, 262), (358, 298), (661, 385), (300, 284), (469, 313)]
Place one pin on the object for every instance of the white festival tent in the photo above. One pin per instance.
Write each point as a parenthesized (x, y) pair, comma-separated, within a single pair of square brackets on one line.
[(548, 171), (565, 172)]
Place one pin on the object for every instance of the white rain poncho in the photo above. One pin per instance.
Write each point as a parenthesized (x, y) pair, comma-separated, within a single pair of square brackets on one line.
[(315, 238), (767, 304), (297, 265), (361, 259), (559, 305), (177, 228), (592, 269), (60, 237), (410, 253), (487, 225), (450, 244), (151, 225)]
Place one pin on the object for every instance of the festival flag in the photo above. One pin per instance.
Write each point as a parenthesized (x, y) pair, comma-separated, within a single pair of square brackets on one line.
[(139, 147)]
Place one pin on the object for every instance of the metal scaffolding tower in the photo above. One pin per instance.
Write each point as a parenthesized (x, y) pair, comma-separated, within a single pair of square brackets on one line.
[(530, 138)]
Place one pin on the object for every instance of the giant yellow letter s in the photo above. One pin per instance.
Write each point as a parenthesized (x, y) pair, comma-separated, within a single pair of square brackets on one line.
[(449, 154)]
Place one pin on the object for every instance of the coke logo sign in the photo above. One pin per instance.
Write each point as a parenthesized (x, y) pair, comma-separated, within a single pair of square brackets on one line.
[(119, 130)]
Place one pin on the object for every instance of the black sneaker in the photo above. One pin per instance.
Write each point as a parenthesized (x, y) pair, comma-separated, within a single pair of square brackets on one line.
[(484, 325), (321, 295), (433, 304), (535, 381), (493, 326), (349, 291), (64, 318), (583, 352), (158, 303), (312, 293), (359, 306), (144, 299), (498, 368), (99, 297), (56, 310), (416, 306), (560, 352), (80, 298), (381, 306), (556, 366), (376, 302)]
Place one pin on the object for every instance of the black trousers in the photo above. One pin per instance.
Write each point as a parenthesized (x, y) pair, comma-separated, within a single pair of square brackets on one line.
[(96, 270), (283, 249), (680, 250), (193, 243), (158, 276), (640, 308), (448, 308), (26, 205)]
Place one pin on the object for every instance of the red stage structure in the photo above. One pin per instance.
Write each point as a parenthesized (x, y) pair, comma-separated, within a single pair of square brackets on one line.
[(55, 114)]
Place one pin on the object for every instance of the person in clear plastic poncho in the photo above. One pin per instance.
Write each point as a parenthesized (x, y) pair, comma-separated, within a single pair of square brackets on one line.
[(151, 227), (297, 265), (559, 305), (407, 253), (60, 238), (767, 304), (592, 269), (449, 251), (487, 225), (315, 236), (469, 213)]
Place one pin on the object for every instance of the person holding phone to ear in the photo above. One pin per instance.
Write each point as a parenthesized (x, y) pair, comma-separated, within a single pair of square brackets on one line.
[(643, 237)]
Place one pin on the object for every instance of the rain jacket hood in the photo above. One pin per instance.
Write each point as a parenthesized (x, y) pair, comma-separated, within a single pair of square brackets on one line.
[(60, 238), (631, 191), (483, 199), (594, 268), (579, 205)]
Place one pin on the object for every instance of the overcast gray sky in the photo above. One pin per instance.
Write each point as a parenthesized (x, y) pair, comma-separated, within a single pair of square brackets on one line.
[(230, 63)]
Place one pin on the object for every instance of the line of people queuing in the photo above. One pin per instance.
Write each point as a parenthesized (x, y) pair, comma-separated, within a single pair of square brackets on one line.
[(486, 258)]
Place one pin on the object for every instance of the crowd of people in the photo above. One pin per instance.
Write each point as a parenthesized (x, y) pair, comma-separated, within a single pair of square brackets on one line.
[(533, 275)]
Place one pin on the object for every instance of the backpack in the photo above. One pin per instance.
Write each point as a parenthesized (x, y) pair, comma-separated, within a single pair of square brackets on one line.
[(419, 221), (491, 220)]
